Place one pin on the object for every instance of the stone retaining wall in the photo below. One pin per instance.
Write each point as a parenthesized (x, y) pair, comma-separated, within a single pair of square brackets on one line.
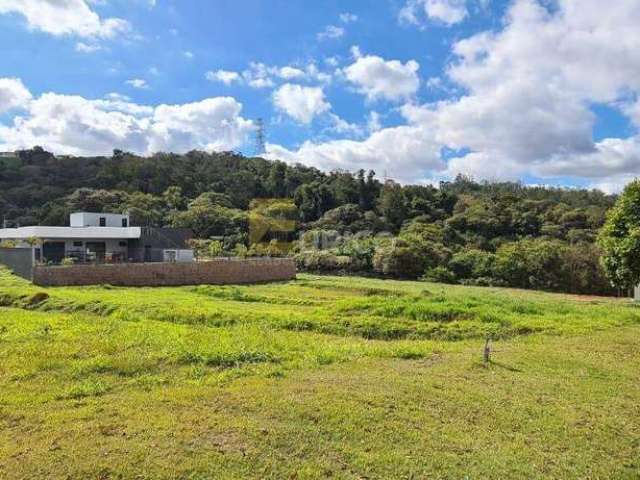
[(221, 271)]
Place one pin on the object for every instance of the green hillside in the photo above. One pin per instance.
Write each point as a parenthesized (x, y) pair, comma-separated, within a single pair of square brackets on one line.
[(463, 231)]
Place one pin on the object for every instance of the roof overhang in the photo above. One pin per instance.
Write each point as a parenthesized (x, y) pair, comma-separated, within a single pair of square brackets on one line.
[(89, 233)]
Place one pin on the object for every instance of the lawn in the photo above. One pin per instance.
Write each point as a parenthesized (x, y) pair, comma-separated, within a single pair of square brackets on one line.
[(315, 378)]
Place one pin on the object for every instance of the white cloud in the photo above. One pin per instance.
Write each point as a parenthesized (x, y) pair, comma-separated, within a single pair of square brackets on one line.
[(379, 78), (260, 83), (116, 102), (313, 73), (332, 61), (137, 83), (225, 76), (65, 17), (448, 12), (330, 32), (260, 75), (289, 73), (341, 126), (529, 88), (13, 94), (373, 122), (68, 124), (188, 54), (403, 153), (348, 17), (83, 47), (211, 124), (615, 156), (632, 110), (301, 103), (525, 108)]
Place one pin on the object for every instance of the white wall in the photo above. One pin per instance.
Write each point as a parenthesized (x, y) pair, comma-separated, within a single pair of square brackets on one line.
[(87, 219)]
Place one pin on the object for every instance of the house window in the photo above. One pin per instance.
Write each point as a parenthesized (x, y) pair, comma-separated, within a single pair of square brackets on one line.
[(77, 244), (125, 223), (123, 244), (103, 221)]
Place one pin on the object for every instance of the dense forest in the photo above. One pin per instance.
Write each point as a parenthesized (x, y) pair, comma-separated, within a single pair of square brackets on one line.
[(502, 234)]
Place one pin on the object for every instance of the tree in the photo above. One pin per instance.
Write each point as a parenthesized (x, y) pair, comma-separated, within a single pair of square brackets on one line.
[(532, 263), (207, 217), (215, 249), (619, 239), (392, 204), (173, 198), (276, 181), (145, 209), (313, 200)]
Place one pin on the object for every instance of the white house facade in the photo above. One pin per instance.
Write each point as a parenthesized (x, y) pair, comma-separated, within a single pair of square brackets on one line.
[(101, 237)]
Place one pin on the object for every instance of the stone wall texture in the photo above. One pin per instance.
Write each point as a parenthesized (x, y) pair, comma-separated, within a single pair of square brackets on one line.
[(216, 272)]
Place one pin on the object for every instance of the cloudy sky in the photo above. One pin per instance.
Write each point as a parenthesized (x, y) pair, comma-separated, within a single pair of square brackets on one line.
[(545, 91)]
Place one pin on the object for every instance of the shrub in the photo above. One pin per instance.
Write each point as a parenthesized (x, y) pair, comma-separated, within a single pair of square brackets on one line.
[(319, 261), (439, 275), (472, 264), (532, 263), (399, 258)]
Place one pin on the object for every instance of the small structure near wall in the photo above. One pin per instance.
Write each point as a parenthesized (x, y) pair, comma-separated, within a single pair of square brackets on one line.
[(101, 238)]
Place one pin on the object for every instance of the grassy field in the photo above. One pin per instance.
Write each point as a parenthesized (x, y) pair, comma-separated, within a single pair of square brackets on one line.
[(316, 378)]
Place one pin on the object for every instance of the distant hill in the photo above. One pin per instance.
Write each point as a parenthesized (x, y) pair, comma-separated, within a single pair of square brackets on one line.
[(212, 193)]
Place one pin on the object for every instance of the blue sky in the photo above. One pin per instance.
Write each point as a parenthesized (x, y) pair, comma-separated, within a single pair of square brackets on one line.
[(544, 91)]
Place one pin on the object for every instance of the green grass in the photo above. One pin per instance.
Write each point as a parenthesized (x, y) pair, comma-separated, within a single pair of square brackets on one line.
[(320, 377)]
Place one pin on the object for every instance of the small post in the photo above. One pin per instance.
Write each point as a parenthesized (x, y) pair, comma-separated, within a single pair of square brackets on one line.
[(487, 351)]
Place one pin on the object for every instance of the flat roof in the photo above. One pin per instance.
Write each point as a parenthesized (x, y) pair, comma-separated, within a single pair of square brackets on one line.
[(71, 232)]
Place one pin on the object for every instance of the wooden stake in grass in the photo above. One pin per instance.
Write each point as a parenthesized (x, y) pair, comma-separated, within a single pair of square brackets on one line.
[(487, 351)]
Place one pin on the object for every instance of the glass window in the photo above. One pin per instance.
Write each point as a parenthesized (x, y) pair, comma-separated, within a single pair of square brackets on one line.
[(103, 221), (77, 244), (125, 223)]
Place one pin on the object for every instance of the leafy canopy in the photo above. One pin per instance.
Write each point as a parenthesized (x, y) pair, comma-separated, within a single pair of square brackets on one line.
[(619, 239)]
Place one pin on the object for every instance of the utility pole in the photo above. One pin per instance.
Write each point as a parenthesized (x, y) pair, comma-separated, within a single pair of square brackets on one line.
[(259, 148)]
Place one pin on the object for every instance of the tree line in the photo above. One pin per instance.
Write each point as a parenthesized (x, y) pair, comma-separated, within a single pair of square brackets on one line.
[(463, 231)]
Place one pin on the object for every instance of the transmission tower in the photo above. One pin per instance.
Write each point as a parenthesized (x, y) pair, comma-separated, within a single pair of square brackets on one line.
[(260, 148)]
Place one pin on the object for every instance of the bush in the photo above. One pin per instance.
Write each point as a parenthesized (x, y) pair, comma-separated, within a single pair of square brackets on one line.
[(439, 275), (320, 261), (399, 258), (472, 264), (532, 263)]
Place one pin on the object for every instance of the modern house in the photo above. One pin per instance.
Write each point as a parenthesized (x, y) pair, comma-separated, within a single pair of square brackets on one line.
[(102, 238)]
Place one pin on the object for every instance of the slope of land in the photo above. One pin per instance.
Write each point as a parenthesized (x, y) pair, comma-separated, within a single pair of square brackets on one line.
[(320, 377)]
